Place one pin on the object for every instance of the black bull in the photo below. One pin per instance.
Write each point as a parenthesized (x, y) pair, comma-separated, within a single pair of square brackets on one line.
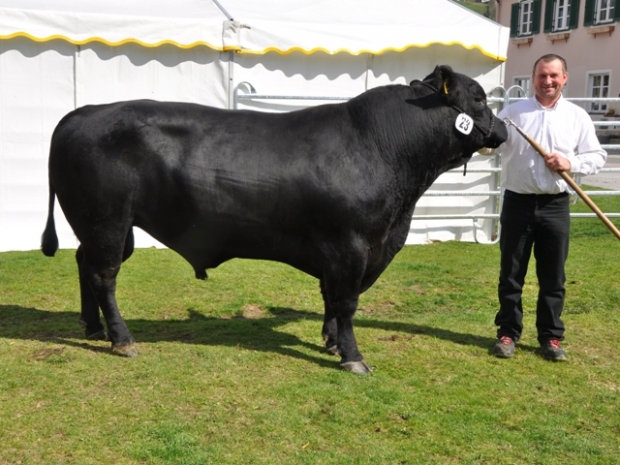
[(329, 190)]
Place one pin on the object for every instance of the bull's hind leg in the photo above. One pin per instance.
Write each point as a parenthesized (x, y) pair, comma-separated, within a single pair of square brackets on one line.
[(330, 326), (99, 268), (341, 289), (89, 317)]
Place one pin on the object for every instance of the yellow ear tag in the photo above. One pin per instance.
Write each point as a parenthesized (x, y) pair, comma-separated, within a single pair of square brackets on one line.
[(445, 88)]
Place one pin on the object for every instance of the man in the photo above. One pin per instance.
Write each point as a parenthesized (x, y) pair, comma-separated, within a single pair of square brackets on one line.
[(535, 211)]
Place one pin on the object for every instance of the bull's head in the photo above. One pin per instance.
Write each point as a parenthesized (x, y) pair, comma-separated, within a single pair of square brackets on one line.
[(471, 113)]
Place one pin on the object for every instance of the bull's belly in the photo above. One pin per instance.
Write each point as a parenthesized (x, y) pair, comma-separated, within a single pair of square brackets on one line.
[(211, 240), (206, 248)]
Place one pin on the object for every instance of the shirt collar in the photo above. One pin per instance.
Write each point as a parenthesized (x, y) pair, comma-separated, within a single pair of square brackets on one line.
[(554, 107)]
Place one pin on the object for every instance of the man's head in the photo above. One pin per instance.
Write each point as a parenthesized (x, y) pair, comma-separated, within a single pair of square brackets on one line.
[(549, 77)]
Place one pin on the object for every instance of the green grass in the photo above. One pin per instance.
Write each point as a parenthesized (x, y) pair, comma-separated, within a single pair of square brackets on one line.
[(232, 370)]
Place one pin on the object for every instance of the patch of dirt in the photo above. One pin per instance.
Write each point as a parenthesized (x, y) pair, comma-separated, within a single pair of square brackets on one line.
[(396, 337), (44, 354), (377, 308), (415, 289), (252, 311)]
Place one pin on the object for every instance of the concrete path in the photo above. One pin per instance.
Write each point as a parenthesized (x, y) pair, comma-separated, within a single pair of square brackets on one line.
[(609, 181)]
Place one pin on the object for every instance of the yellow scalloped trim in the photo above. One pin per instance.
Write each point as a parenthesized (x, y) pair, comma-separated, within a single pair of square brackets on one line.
[(379, 52), (114, 44), (238, 50)]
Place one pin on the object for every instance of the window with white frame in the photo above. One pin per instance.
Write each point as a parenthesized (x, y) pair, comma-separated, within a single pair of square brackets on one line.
[(600, 12), (525, 18), (523, 89), (598, 87), (526, 15), (604, 11), (561, 14)]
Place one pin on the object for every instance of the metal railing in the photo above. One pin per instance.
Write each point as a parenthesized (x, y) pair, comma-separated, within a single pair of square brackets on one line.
[(500, 101)]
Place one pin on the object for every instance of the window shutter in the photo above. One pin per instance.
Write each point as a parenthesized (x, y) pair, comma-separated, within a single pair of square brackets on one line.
[(536, 4), (573, 19), (549, 7), (514, 19), (588, 15)]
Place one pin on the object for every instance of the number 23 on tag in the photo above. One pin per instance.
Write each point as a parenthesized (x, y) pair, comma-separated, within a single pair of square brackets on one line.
[(464, 123)]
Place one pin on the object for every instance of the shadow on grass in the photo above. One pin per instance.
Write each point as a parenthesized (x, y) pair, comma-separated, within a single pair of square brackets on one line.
[(259, 334), (464, 339)]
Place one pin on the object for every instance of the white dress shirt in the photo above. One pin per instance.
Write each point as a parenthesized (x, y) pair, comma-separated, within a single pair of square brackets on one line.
[(564, 128)]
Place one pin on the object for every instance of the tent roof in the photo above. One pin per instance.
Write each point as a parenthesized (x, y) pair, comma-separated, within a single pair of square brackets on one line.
[(250, 26)]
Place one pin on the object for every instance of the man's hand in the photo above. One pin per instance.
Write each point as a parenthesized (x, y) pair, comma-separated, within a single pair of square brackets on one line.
[(556, 162)]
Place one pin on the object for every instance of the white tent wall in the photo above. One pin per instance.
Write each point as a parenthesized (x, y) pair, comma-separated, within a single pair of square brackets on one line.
[(106, 74), (36, 90), (56, 55), (41, 82), (299, 74)]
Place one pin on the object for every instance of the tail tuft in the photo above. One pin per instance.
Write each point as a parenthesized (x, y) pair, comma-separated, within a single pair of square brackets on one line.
[(49, 240)]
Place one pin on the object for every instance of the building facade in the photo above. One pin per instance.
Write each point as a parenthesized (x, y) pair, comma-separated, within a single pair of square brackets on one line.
[(581, 31)]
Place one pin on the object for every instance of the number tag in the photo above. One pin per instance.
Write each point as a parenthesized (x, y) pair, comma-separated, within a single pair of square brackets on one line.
[(464, 123)]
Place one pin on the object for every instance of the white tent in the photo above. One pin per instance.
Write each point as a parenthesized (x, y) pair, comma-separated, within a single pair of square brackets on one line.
[(57, 55)]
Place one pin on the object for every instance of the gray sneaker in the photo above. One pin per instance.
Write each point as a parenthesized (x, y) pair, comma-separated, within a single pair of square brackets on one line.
[(504, 347), (551, 350)]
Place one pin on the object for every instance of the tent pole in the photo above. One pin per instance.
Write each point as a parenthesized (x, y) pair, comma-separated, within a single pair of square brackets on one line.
[(231, 79), (223, 10), (76, 56), (231, 60)]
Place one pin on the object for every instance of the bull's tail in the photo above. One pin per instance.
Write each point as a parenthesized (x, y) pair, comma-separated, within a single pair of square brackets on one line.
[(49, 240)]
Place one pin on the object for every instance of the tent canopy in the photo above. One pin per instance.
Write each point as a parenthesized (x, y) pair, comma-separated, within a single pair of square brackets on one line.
[(282, 26)]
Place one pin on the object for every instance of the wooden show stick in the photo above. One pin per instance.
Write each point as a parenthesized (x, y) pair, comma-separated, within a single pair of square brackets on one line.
[(568, 179)]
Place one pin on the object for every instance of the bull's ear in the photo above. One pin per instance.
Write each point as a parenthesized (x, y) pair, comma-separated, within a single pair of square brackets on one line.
[(440, 78), (446, 76), (435, 78)]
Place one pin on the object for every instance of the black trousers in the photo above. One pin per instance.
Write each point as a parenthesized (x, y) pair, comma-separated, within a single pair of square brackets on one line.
[(541, 222)]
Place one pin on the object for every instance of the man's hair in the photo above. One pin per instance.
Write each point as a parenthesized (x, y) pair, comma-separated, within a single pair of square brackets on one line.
[(548, 58)]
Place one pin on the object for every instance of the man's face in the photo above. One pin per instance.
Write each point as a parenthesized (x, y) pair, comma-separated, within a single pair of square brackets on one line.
[(549, 80)]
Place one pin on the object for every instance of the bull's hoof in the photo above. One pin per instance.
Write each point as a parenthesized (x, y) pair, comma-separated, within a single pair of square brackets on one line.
[(333, 350), (360, 367), (125, 350), (98, 336)]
